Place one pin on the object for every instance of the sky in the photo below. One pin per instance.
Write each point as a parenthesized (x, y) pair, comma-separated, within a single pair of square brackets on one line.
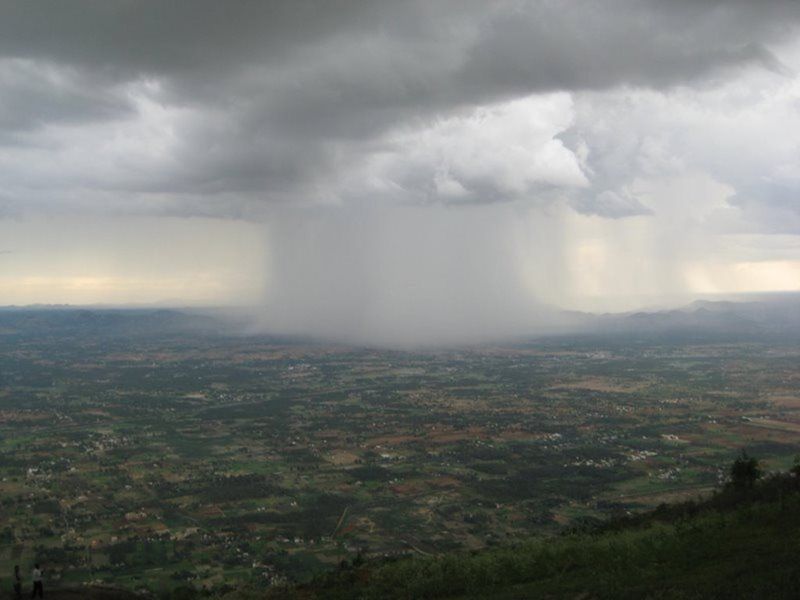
[(398, 171)]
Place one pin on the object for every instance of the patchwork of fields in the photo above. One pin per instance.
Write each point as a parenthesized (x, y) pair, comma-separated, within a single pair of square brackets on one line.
[(158, 461)]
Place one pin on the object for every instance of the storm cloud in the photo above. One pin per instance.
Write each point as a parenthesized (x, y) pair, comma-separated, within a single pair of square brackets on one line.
[(462, 125), (272, 100)]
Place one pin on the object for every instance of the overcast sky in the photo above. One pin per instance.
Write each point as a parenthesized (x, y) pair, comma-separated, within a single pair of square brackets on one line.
[(398, 170)]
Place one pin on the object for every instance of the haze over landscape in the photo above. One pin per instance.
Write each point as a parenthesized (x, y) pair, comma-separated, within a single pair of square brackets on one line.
[(399, 171)]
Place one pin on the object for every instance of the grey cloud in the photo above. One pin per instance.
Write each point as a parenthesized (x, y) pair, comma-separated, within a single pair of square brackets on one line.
[(611, 204), (126, 39), (588, 45), (769, 207), (288, 92), (36, 94)]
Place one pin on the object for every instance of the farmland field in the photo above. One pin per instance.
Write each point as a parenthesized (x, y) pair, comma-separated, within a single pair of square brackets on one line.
[(156, 461)]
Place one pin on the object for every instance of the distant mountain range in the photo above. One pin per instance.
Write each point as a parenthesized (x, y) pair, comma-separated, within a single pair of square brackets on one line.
[(770, 316), (776, 316), (60, 321)]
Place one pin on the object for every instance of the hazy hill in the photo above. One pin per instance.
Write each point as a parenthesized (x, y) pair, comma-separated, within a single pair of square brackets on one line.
[(771, 317), (64, 321)]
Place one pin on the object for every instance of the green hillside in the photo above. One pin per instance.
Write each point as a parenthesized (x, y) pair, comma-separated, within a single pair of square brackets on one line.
[(744, 542)]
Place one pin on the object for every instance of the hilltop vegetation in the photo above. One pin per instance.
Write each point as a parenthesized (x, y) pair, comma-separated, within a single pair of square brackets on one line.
[(739, 543)]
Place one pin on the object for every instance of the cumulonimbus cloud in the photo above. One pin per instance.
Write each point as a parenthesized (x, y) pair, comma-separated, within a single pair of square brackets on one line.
[(270, 101)]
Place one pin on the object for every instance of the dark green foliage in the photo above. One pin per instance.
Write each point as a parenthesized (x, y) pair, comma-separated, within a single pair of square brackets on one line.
[(48, 506), (299, 565), (181, 593), (745, 472), (371, 473)]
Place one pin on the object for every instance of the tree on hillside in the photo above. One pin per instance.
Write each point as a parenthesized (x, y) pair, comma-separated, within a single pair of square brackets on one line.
[(745, 471)]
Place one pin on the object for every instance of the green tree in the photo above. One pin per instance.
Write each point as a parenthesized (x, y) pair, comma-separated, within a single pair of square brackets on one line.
[(745, 471)]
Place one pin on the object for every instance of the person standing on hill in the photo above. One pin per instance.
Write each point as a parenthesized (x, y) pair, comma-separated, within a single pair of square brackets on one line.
[(17, 582), (37, 582)]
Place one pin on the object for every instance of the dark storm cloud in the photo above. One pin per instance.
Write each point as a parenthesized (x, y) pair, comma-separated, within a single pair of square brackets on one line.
[(573, 46), (34, 95), (283, 94), (128, 38)]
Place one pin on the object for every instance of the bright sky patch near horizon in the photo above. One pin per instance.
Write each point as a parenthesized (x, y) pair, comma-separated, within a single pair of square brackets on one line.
[(376, 170)]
